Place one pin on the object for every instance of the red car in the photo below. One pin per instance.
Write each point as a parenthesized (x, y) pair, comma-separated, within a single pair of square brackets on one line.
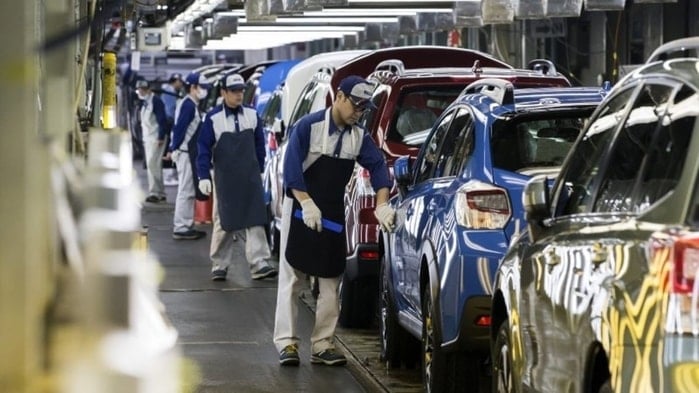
[(408, 101)]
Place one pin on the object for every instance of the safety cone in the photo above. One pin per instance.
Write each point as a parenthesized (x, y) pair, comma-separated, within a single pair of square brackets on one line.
[(202, 211)]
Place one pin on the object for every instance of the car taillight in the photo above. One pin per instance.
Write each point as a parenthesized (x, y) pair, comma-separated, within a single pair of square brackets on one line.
[(272, 142), (683, 306), (364, 182), (482, 206)]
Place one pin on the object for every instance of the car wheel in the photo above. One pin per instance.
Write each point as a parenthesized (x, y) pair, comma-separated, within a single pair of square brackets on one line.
[(433, 360), (388, 323), (606, 387), (503, 380), (358, 302)]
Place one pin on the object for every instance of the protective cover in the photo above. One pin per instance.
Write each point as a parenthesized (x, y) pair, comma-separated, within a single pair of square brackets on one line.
[(604, 5), (530, 9), (563, 8), (467, 13), (498, 11)]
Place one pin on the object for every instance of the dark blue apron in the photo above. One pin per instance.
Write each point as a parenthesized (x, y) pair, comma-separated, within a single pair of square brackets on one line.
[(321, 254), (239, 193)]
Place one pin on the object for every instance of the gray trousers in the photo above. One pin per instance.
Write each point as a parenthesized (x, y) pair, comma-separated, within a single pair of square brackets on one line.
[(256, 247)]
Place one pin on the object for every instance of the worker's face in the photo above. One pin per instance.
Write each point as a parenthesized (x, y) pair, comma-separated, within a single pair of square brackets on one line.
[(142, 93), (177, 84), (349, 110), (232, 98)]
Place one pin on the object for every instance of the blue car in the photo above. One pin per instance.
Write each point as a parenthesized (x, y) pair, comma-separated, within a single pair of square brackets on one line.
[(459, 204)]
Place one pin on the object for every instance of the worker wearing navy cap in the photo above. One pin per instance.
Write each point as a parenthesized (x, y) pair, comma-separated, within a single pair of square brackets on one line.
[(232, 148), (187, 122), (320, 159)]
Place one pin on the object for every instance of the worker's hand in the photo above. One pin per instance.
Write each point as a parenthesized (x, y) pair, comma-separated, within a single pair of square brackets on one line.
[(311, 215), (386, 215), (205, 186)]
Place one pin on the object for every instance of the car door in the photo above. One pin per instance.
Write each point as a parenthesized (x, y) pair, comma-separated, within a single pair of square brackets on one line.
[(413, 217), (550, 264), (590, 257)]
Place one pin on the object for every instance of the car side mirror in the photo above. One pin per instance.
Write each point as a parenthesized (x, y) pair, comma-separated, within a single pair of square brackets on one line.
[(537, 204), (401, 172)]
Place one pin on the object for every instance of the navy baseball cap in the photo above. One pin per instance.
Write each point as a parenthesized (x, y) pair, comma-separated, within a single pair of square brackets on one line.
[(234, 82), (142, 84), (194, 78), (358, 90), (175, 77)]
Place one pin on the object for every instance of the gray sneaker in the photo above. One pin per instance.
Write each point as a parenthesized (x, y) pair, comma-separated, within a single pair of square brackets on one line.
[(219, 274), (289, 356), (264, 272), (328, 357)]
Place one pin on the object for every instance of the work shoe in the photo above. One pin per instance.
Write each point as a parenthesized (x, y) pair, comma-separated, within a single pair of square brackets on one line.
[(190, 234), (219, 274), (264, 272), (155, 199), (289, 356), (328, 357)]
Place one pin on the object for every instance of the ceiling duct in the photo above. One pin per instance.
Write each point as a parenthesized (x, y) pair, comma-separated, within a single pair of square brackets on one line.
[(407, 24), (299, 5), (223, 25), (263, 10), (328, 3), (372, 32), (563, 8), (467, 13), (390, 32), (604, 5), (193, 37), (435, 21), (529, 9), (350, 41), (497, 11)]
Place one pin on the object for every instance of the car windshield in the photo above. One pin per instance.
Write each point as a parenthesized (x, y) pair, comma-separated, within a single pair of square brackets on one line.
[(417, 110), (541, 141)]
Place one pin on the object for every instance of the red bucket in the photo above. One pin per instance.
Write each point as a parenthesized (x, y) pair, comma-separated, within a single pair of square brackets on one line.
[(202, 211)]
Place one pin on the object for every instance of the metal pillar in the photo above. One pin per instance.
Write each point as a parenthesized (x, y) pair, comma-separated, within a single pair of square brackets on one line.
[(27, 244)]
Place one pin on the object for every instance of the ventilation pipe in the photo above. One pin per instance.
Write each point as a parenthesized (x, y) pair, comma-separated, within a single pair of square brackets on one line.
[(497, 11)]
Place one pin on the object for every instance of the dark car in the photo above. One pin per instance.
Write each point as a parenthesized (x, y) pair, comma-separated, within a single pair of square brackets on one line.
[(408, 102), (458, 205), (600, 294)]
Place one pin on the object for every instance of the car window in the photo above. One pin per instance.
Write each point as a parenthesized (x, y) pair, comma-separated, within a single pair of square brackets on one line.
[(418, 109), (464, 146), (445, 163), (305, 102), (431, 149), (650, 151), (632, 145), (368, 118), (575, 185), (272, 110), (540, 141)]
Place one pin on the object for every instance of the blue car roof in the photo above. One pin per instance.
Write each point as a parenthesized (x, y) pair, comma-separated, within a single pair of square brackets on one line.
[(531, 99)]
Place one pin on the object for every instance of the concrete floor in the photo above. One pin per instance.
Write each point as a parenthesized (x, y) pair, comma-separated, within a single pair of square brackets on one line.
[(226, 327)]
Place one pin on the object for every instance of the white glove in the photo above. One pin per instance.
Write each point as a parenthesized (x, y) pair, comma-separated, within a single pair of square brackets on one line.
[(311, 215), (385, 215), (205, 186)]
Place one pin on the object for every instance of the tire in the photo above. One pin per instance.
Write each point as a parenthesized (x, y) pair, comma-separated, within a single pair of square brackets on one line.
[(606, 387), (434, 362), (503, 380), (390, 331), (358, 301)]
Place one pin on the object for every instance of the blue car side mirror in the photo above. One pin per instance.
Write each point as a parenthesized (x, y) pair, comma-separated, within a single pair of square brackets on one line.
[(401, 171)]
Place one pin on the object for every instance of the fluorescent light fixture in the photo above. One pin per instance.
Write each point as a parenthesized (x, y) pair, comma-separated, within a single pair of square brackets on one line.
[(373, 11), (262, 40), (291, 29), (330, 21)]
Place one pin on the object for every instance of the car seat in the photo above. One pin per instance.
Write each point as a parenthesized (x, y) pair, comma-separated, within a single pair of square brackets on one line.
[(412, 120)]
